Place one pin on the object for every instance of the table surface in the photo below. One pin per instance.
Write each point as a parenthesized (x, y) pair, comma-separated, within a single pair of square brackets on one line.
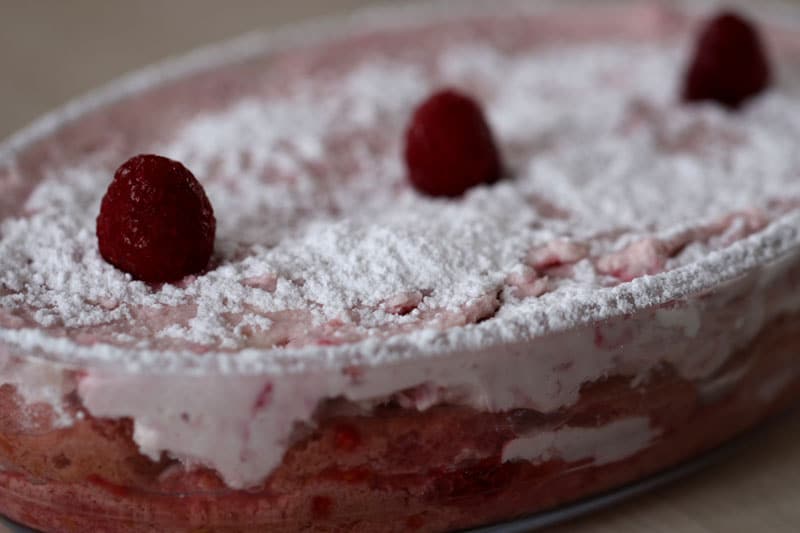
[(53, 51)]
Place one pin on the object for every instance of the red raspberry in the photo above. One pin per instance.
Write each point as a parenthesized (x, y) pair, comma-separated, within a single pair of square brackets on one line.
[(155, 220), (730, 64), (449, 146)]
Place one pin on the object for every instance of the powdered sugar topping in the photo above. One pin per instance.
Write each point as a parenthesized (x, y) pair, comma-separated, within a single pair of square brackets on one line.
[(321, 241)]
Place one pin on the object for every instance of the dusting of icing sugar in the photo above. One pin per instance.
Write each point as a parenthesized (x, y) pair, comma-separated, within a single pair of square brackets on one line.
[(319, 236)]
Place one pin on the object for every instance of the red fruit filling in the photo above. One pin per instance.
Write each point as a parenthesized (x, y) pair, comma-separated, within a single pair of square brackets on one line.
[(729, 65), (155, 220), (346, 438), (449, 146)]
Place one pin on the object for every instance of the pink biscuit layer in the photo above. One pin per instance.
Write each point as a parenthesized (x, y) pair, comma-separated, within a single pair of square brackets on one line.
[(400, 469)]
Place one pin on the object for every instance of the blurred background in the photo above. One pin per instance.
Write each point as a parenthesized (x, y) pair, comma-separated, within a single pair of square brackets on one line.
[(54, 50)]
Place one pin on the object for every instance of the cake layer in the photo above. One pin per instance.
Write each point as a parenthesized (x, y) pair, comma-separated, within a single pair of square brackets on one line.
[(442, 469)]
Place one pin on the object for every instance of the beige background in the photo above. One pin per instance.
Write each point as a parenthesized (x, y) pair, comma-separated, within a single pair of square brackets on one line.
[(53, 50)]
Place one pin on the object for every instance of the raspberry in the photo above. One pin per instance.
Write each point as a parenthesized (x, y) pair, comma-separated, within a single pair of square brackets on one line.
[(155, 220), (729, 65), (449, 146)]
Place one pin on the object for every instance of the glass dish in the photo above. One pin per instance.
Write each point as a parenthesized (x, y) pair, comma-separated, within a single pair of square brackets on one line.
[(375, 464)]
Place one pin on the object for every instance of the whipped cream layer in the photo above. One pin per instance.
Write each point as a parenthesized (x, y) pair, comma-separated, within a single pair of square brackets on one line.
[(605, 444), (242, 425), (333, 278)]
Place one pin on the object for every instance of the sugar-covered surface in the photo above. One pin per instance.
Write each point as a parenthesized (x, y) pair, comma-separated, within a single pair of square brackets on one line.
[(617, 197)]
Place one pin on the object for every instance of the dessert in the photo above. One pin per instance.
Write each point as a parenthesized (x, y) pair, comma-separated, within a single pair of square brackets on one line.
[(359, 356)]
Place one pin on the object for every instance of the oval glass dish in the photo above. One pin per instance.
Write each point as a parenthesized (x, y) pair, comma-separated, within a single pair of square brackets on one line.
[(627, 327)]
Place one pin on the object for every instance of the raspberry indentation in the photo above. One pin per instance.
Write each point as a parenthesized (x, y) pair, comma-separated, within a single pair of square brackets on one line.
[(155, 220), (730, 63), (449, 146)]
